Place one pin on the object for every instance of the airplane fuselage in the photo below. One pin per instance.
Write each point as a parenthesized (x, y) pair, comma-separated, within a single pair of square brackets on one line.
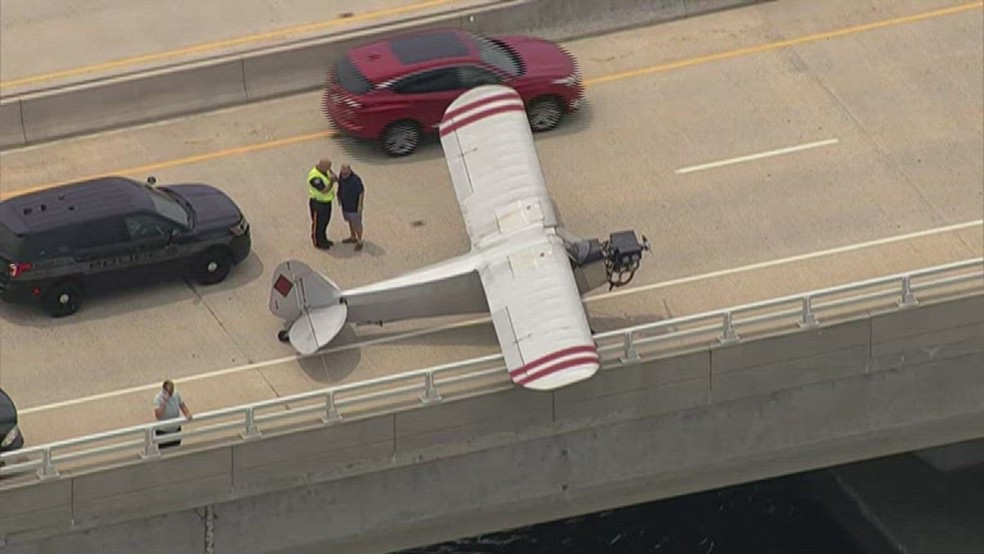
[(453, 287)]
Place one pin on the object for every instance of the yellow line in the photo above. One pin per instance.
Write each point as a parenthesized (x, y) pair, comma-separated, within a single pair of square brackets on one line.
[(784, 43), (598, 80), (219, 44), (186, 161)]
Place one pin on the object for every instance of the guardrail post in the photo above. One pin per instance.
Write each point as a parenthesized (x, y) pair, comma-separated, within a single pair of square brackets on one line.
[(809, 318), (47, 469), (150, 446), (728, 333), (629, 353), (251, 431), (430, 391), (908, 299), (331, 411)]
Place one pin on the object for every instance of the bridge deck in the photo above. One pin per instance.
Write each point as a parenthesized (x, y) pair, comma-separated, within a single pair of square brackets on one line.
[(903, 101)]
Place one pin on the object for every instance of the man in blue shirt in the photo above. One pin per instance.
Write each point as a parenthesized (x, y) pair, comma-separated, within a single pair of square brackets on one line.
[(351, 193)]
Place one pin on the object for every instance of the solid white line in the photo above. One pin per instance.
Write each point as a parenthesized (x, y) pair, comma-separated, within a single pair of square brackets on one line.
[(249, 367), (478, 321), (759, 156), (791, 259)]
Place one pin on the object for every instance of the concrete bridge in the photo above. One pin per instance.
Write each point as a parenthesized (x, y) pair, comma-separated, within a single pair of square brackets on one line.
[(352, 475), (683, 404)]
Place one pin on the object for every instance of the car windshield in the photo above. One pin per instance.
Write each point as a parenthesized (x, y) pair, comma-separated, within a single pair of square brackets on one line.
[(495, 53), (349, 78), (170, 208)]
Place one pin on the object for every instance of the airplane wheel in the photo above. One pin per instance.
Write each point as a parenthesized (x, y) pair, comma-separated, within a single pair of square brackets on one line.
[(283, 335)]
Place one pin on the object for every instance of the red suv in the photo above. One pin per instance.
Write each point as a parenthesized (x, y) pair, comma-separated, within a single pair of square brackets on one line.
[(397, 89)]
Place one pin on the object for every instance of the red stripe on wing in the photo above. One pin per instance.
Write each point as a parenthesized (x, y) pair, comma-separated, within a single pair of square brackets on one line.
[(458, 124), (508, 95), (560, 366), (586, 349)]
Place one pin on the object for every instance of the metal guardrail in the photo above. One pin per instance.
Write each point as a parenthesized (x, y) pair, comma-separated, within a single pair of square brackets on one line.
[(487, 374)]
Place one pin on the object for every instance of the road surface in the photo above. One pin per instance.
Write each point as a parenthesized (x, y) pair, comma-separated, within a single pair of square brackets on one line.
[(56, 42), (842, 142)]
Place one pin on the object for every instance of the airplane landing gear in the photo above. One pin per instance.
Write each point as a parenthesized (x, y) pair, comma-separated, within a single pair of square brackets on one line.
[(283, 335)]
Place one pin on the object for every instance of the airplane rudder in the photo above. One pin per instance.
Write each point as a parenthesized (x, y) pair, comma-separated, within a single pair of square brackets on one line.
[(284, 292)]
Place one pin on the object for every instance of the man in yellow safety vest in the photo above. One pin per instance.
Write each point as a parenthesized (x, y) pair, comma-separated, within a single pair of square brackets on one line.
[(321, 192)]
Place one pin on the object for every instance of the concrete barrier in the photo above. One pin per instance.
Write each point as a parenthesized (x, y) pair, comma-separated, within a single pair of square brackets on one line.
[(292, 459), (134, 99), (11, 124), (565, 19), (807, 356), (711, 417), (39, 509), (934, 332), (642, 389), (237, 79), (287, 70), (456, 422), (169, 484)]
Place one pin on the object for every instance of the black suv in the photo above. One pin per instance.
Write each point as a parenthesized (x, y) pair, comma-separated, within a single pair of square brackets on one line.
[(56, 242), (10, 437)]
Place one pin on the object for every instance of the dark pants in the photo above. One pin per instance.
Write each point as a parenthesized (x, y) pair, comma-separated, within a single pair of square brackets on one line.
[(320, 217), (168, 444)]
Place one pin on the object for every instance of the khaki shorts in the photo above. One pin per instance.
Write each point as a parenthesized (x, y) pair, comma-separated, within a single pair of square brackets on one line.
[(355, 218)]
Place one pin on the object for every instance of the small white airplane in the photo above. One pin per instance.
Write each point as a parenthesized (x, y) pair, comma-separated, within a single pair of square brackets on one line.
[(523, 267)]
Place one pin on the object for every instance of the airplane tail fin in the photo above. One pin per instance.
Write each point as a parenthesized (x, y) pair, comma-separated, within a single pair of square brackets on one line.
[(311, 305)]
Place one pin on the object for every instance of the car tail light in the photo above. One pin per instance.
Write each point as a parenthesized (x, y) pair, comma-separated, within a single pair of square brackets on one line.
[(10, 438), (339, 98), (18, 268), (571, 80), (240, 228)]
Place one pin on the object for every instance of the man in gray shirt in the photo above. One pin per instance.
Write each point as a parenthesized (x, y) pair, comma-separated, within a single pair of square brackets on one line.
[(168, 405)]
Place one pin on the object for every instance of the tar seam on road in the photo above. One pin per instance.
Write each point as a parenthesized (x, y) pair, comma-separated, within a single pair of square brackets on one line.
[(478, 321), (589, 82), (227, 43)]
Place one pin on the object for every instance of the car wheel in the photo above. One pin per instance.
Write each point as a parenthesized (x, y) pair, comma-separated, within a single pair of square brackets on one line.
[(544, 113), (211, 266), (401, 138), (63, 298)]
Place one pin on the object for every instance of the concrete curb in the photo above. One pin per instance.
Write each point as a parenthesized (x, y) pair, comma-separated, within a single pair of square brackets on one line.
[(183, 89)]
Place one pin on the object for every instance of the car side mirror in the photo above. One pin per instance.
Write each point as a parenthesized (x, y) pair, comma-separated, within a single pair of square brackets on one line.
[(151, 180)]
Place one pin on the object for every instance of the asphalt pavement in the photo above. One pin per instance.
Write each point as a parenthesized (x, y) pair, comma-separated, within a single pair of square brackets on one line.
[(57, 42), (816, 133)]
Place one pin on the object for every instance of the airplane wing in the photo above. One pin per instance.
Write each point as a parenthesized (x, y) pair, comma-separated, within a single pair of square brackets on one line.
[(533, 298), (494, 168)]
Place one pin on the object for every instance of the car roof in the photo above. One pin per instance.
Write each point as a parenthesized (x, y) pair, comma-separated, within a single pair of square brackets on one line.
[(73, 204), (397, 56)]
